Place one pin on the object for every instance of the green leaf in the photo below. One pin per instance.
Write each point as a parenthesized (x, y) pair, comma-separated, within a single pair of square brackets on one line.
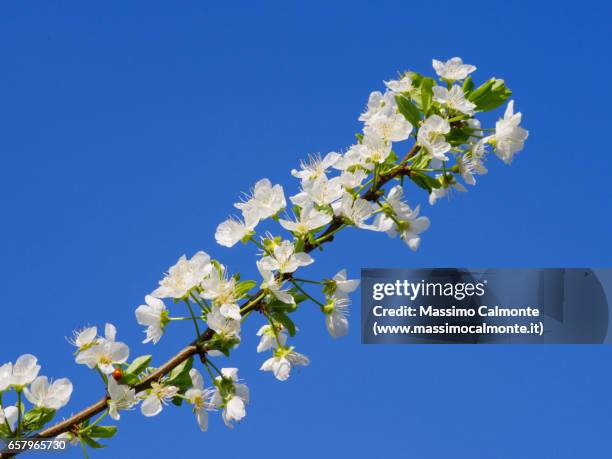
[(284, 319), (177, 401), (138, 365), (426, 94), (424, 181), (129, 379), (102, 431), (243, 287), (468, 86), (37, 417), (91, 442), (179, 376), (490, 95), (409, 110)]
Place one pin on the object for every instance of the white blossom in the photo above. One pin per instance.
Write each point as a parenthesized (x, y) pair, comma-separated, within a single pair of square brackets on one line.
[(404, 84), (183, 276), (233, 230), (122, 397), (452, 69), (448, 185), (24, 371), (336, 315), (199, 397), (265, 201), (283, 361), (6, 375), (354, 156), (509, 137), (154, 316), (321, 191), (376, 102), (84, 338), (274, 285), (10, 415), (53, 396), (374, 150), (351, 180), (221, 324), (410, 224), (431, 137), (104, 355), (342, 285), (357, 210), (268, 339), (155, 398), (315, 166), (222, 291), (389, 125), (310, 219), (453, 99), (233, 401), (284, 259)]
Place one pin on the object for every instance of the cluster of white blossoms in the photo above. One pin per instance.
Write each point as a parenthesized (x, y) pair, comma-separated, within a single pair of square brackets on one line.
[(420, 131), (45, 396)]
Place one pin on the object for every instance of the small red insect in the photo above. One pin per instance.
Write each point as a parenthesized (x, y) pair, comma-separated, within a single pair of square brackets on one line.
[(117, 374)]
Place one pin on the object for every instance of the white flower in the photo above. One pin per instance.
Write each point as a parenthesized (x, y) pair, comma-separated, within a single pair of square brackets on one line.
[(357, 210), (453, 69), (431, 137), (266, 200), (389, 125), (285, 259), (453, 99), (374, 150), (342, 285), (68, 437), (154, 316), (283, 361), (466, 169), (221, 291), (230, 395), (53, 396), (268, 338), (6, 375), (404, 84), (110, 332), (336, 316), (232, 230), (321, 191), (183, 276), (448, 185), (199, 397), (155, 398), (355, 156), (410, 224), (315, 166), (310, 219), (376, 102), (9, 414), (85, 337), (122, 397), (509, 137), (104, 355), (24, 371), (273, 284), (221, 324), (351, 180)]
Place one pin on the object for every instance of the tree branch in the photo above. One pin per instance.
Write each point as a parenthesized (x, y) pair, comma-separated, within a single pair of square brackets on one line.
[(197, 346)]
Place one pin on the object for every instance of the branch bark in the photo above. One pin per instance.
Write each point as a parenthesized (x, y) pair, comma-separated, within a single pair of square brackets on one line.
[(196, 347)]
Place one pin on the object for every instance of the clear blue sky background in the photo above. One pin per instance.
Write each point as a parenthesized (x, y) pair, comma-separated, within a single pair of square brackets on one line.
[(129, 129)]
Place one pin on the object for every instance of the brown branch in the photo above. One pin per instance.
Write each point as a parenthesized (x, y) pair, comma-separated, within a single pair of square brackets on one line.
[(197, 346)]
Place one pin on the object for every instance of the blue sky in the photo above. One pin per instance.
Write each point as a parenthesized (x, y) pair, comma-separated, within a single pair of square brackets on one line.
[(128, 131)]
